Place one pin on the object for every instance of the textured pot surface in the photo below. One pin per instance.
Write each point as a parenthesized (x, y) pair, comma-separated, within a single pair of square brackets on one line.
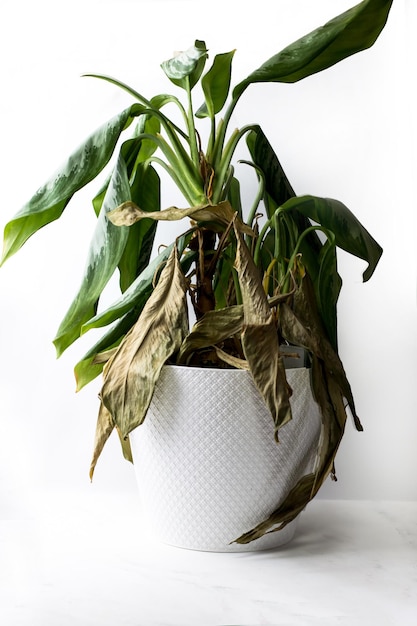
[(206, 461)]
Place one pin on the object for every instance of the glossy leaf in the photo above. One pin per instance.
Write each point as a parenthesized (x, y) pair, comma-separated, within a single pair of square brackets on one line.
[(349, 33), (277, 183), (327, 289), (216, 85), (349, 233), (145, 191), (104, 255), (82, 166), (280, 190)]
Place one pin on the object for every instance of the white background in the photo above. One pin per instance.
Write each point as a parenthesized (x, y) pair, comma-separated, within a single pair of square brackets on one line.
[(348, 133)]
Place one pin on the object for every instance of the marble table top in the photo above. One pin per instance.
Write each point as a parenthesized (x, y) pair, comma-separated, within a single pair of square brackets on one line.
[(87, 560)]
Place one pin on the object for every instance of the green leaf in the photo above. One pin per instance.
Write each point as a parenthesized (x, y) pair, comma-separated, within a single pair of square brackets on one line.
[(277, 183), (216, 85), (354, 30), (145, 191), (328, 288), (88, 367), (82, 166), (139, 291), (185, 69), (280, 190), (105, 251), (349, 233)]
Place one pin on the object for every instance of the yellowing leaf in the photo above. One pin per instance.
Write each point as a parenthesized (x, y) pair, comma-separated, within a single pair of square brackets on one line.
[(104, 428), (260, 337), (128, 213), (130, 375)]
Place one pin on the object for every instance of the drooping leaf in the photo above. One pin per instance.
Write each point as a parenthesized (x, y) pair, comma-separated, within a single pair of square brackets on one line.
[(260, 336), (328, 286), (277, 183), (130, 375), (105, 251), (89, 367), (104, 428), (349, 233), (186, 67), (210, 330), (354, 30), (129, 213), (302, 326), (137, 294), (216, 85), (280, 191), (82, 166)]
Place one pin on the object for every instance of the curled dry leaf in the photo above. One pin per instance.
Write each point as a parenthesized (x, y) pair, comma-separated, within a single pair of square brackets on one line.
[(300, 324), (233, 361), (128, 213), (211, 329), (260, 336), (130, 375)]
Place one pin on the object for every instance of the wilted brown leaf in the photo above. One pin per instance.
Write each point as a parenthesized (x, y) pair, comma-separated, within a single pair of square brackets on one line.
[(211, 329), (130, 375), (301, 325), (128, 213), (104, 428), (260, 339)]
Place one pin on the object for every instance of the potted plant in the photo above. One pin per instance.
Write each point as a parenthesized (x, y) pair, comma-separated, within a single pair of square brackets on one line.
[(260, 274)]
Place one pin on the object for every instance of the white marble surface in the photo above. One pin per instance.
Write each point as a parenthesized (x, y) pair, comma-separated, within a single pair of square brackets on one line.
[(85, 560)]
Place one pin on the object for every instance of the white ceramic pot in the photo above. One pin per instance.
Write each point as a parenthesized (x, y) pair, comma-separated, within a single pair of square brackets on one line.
[(206, 461)]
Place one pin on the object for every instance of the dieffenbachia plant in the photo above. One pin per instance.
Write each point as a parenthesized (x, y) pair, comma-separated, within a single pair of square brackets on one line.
[(255, 282)]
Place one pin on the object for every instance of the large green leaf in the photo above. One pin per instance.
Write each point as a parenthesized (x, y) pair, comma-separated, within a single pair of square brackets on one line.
[(263, 155), (349, 233), (145, 192), (104, 255), (349, 33), (82, 166), (280, 190), (216, 85)]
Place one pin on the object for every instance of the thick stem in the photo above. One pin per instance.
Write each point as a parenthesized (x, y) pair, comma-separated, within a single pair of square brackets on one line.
[(204, 242)]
